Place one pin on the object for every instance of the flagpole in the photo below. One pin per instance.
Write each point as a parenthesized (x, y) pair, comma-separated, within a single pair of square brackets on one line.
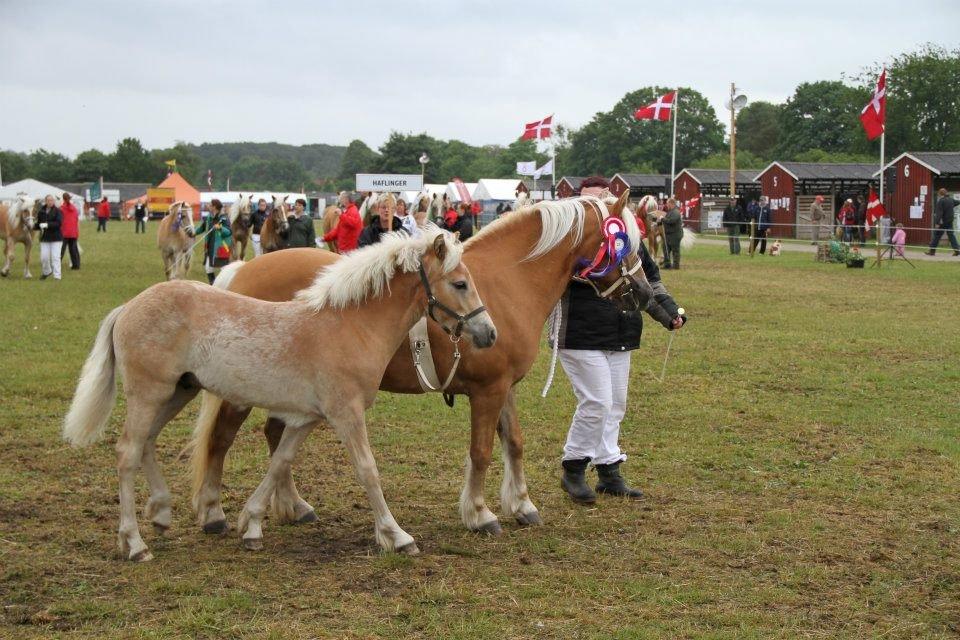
[(673, 154)]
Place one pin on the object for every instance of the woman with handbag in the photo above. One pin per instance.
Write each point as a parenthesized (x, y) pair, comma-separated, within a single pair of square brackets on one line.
[(216, 247)]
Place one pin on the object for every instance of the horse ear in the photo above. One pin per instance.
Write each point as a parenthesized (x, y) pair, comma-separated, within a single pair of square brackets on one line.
[(440, 247), (285, 198), (622, 202)]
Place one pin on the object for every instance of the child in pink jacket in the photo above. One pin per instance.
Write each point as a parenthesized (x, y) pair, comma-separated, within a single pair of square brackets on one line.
[(899, 239)]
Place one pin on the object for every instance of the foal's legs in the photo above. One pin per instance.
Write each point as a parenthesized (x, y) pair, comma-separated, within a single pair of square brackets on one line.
[(514, 500), (209, 508), (250, 524), (146, 416), (485, 410), (7, 256), (286, 502), (352, 429)]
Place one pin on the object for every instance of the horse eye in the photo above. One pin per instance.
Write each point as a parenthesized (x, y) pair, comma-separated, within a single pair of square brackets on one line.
[(460, 285)]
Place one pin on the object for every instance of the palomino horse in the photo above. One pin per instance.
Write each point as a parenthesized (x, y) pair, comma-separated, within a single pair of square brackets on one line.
[(522, 265), (240, 220), (175, 239), (359, 310), (648, 208), (331, 216), (275, 224), (16, 226)]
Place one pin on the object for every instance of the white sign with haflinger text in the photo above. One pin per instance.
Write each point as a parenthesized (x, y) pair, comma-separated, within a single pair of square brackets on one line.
[(388, 182)]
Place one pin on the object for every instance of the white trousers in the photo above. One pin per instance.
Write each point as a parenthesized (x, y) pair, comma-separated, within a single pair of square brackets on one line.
[(257, 249), (599, 380), (50, 258)]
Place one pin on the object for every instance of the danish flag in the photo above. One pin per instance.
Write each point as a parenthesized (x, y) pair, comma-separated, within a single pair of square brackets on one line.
[(874, 115), (659, 110), (875, 208), (537, 130)]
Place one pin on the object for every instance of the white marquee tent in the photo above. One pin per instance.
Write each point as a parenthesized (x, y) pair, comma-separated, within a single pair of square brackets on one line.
[(454, 196), (496, 189), (35, 189)]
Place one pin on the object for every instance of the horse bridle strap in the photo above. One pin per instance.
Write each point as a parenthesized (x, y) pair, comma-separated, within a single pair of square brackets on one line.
[(433, 304)]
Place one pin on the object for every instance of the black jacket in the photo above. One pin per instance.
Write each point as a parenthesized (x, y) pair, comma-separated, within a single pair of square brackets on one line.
[(140, 212), (54, 218), (732, 217), (943, 213), (589, 322), (372, 232), (257, 218), (300, 232), (465, 227)]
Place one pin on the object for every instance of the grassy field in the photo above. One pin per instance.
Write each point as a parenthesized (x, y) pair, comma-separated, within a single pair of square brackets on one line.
[(801, 464)]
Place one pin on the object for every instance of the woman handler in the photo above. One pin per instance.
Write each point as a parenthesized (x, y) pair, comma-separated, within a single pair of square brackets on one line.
[(595, 341), (216, 248)]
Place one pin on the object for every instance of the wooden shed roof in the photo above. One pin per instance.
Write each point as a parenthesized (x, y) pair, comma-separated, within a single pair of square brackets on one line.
[(825, 171), (716, 176), (643, 180), (940, 162)]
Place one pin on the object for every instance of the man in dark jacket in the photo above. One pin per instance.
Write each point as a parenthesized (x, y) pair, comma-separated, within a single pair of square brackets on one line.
[(595, 340), (732, 217), (762, 224), (672, 223), (943, 222), (257, 218), (140, 217), (49, 222), (300, 231), (385, 221)]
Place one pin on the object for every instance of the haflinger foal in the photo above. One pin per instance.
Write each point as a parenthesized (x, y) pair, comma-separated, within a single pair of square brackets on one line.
[(240, 349)]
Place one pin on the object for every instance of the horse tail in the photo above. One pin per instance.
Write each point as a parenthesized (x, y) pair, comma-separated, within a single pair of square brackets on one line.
[(199, 447), (226, 275), (96, 391), (688, 240)]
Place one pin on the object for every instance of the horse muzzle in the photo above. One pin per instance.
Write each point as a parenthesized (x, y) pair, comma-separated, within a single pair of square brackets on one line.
[(482, 331)]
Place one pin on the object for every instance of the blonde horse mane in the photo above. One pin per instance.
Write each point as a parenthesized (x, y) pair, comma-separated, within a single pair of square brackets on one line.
[(367, 272), (16, 209), (238, 206)]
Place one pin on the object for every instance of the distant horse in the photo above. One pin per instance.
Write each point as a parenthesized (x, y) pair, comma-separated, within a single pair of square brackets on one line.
[(343, 328), (175, 240), (648, 208), (271, 238), (522, 264), (240, 221), (331, 216), (16, 226)]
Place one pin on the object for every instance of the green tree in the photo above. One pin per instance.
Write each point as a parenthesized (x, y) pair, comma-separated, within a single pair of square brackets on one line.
[(89, 165), (615, 141), (358, 158), (819, 155), (188, 162), (823, 115), (14, 166), (49, 166), (923, 110), (457, 159), (401, 153), (758, 128), (745, 160), (130, 162)]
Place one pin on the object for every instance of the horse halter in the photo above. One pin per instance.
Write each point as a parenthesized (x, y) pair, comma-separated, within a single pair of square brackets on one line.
[(433, 303), (614, 248)]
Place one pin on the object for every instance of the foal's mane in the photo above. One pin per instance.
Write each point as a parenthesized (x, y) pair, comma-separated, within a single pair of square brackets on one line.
[(15, 210), (367, 272), (559, 219)]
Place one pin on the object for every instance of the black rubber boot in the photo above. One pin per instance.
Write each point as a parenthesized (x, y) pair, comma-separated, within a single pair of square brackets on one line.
[(613, 484), (574, 481), (211, 277)]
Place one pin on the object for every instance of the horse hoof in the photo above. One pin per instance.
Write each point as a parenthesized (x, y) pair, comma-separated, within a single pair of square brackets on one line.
[(142, 556), (531, 519), (308, 517), (409, 549), (4, 274), (253, 544), (160, 529), (217, 527), (491, 528)]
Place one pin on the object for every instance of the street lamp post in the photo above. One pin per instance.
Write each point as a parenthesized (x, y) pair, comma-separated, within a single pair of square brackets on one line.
[(736, 103), (424, 159)]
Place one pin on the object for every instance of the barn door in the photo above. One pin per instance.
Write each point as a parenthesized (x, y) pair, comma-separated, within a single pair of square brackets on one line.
[(803, 216)]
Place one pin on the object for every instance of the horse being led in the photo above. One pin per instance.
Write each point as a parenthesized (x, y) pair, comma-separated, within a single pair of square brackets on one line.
[(522, 264), (16, 226), (240, 214), (271, 234), (175, 240), (343, 328), (331, 216)]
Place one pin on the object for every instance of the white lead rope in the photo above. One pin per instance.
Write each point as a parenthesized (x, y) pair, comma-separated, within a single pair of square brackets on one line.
[(555, 338)]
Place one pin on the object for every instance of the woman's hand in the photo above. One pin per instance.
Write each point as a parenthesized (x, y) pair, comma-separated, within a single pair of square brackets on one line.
[(677, 322)]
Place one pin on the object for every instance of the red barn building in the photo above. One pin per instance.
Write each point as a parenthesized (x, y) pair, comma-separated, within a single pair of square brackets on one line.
[(912, 180), (791, 187), (569, 186), (640, 184), (705, 184)]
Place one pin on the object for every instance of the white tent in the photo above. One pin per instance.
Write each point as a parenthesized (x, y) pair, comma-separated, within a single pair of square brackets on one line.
[(496, 189), (228, 197), (454, 196), (434, 189), (35, 189)]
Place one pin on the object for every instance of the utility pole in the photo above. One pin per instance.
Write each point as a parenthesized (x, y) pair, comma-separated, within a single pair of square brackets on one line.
[(733, 142)]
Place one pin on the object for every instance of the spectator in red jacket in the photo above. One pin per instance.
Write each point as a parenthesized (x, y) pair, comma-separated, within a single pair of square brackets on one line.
[(347, 231), (103, 214), (71, 231)]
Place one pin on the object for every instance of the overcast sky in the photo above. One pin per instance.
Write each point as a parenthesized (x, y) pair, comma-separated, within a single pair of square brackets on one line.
[(77, 75)]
